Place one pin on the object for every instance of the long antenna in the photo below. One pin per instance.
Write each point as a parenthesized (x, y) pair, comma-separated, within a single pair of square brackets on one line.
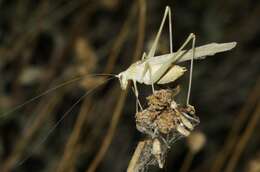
[(49, 91), (61, 119)]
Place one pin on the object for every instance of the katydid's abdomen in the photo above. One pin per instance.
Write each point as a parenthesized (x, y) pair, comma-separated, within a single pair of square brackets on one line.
[(138, 72)]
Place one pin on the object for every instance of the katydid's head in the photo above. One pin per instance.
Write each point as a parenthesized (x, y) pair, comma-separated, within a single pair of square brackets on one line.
[(123, 80)]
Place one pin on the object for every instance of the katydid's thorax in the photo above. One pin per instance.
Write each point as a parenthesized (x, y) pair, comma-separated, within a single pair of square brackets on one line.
[(136, 72), (132, 73)]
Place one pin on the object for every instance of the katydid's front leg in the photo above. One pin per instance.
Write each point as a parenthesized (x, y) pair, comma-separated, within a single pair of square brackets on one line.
[(150, 75), (143, 56), (137, 98), (148, 68)]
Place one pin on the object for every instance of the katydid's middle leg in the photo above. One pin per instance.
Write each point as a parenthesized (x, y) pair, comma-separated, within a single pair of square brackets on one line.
[(150, 75)]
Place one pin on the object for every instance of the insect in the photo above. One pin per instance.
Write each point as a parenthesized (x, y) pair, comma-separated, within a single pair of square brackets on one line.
[(162, 69), (152, 69)]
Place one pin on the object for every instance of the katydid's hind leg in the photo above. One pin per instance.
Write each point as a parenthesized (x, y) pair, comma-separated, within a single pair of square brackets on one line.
[(191, 37), (155, 43), (191, 69), (170, 29), (158, 74)]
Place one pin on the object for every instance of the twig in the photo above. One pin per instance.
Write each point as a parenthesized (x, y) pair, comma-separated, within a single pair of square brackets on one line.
[(13, 159), (66, 163), (118, 44), (233, 134), (187, 162), (134, 163), (70, 152), (244, 139), (119, 107)]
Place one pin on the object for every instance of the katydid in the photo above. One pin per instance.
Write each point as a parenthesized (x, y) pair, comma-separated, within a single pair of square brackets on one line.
[(162, 69), (152, 69)]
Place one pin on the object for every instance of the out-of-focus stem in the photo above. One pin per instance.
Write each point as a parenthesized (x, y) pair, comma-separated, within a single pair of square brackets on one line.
[(244, 140), (233, 134), (187, 162)]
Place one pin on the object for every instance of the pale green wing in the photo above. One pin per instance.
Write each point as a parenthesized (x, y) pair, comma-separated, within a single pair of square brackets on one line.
[(200, 53)]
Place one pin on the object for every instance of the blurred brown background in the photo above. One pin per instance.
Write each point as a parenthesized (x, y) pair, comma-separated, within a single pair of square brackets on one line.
[(44, 43)]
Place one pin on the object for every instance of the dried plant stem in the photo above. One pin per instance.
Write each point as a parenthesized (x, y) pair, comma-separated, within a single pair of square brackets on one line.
[(187, 162), (239, 148), (70, 152), (66, 161), (22, 144), (69, 149), (119, 106), (110, 134), (133, 165), (141, 30), (119, 42), (233, 134)]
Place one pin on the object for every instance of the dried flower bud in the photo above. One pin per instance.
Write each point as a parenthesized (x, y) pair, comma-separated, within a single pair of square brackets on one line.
[(196, 141), (157, 151)]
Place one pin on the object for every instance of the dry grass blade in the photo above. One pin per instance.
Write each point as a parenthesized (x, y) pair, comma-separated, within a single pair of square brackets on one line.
[(233, 134), (119, 106), (241, 145), (187, 162), (134, 163), (196, 141), (66, 162), (110, 133), (70, 152), (22, 144)]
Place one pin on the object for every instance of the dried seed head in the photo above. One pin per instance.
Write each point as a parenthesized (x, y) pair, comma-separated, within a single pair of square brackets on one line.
[(161, 99), (164, 117), (145, 121), (165, 122), (186, 122)]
